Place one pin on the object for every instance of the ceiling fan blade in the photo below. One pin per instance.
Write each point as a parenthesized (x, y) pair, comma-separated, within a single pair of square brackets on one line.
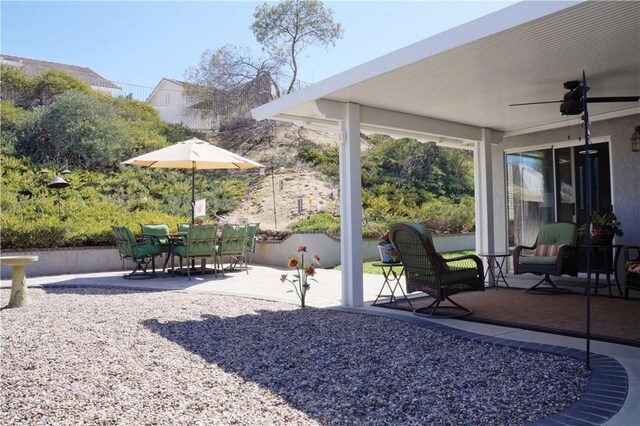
[(536, 103), (613, 99)]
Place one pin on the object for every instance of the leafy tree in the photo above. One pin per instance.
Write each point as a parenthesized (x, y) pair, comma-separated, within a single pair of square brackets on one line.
[(285, 29), (16, 86), (28, 91), (55, 82), (230, 80)]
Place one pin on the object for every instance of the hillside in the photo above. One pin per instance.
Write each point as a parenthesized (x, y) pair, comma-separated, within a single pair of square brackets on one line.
[(293, 185)]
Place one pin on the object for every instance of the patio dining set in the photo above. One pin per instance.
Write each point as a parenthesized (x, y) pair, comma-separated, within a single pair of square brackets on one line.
[(234, 243)]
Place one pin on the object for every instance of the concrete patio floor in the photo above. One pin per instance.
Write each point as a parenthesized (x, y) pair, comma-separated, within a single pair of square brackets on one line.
[(263, 282)]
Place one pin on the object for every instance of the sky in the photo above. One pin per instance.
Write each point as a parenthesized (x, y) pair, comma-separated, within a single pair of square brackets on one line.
[(139, 43)]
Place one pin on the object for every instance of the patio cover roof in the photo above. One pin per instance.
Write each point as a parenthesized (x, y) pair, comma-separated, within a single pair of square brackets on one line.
[(462, 80)]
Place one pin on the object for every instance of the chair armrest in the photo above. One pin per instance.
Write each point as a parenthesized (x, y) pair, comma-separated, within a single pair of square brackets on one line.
[(467, 261), (627, 253), (518, 250), (148, 239)]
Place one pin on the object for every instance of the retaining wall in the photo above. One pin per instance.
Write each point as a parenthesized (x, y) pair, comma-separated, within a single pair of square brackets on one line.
[(275, 253)]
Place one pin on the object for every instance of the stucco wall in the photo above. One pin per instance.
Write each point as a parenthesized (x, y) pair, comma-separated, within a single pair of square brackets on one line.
[(103, 259), (625, 165), (69, 260), (276, 253)]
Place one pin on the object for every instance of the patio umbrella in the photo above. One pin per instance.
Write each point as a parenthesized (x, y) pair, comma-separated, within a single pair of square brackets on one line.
[(194, 154)]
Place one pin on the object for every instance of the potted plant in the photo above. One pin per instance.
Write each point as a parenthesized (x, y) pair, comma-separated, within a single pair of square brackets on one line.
[(388, 253), (604, 226)]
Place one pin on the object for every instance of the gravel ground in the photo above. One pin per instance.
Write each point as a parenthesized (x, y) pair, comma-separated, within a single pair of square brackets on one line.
[(112, 356)]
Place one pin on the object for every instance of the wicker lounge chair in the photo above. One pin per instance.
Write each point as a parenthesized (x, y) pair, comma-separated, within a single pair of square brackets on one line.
[(553, 253), (632, 269), (429, 272)]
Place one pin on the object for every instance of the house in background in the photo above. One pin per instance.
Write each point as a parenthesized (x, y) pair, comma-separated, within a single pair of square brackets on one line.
[(456, 88), (34, 66), (209, 108), (174, 106)]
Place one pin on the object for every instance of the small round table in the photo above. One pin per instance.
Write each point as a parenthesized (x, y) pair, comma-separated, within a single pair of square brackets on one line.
[(391, 277), (19, 296), (494, 263)]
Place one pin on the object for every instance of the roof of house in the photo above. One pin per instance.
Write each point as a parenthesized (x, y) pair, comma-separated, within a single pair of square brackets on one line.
[(469, 75), (35, 66)]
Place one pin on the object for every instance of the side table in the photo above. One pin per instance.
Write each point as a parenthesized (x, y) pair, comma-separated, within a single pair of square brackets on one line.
[(391, 277), (495, 264), (604, 260)]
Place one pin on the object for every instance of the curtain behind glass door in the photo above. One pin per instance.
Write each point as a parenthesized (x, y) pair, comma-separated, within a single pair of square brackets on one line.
[(530, 195)]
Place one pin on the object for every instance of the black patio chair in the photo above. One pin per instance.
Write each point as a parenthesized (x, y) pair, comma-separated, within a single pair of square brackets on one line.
[(429, 272)]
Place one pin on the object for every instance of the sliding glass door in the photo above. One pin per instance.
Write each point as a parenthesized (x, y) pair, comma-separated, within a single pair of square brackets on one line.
[(530, 192), (549, 185)]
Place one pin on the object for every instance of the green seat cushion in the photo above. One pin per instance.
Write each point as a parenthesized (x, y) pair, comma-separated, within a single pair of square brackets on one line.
[(160, 231), (144, 250), (458, 274), (558, 233), (538, 260), (183, 227)]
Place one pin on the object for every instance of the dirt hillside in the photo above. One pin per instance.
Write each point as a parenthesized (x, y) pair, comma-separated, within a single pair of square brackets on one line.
[(296, 189)]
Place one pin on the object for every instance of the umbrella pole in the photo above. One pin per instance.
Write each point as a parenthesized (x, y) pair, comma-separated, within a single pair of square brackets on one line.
[(193, 194)]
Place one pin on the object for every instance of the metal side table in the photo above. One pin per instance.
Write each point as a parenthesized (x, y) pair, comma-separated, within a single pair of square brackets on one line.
[(391, 282)]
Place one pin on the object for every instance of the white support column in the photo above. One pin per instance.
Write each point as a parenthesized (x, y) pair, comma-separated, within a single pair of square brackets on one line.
[(351, 208), (482, 160)]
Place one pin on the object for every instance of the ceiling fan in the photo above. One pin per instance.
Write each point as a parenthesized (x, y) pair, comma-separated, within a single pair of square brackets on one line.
[(572, 102)]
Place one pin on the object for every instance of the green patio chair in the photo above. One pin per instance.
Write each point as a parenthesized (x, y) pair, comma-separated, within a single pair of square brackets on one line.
[(553, 253), (199, 243), (233, 243), (183, 227), (141, 252), (252, 232), (429, 272), (157, 234)]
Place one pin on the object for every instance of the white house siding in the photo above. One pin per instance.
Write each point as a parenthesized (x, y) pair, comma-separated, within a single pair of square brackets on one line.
[(169, 100)]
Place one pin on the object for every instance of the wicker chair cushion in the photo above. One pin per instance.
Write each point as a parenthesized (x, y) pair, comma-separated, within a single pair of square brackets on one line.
[(548, 249), (538, 260), (455, 275)]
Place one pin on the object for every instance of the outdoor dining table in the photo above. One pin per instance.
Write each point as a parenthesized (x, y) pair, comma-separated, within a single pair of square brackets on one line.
[(173, 239)]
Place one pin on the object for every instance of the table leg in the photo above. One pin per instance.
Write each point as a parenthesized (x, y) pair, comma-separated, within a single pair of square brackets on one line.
[(386, 283), (398, 284), (500, 273)]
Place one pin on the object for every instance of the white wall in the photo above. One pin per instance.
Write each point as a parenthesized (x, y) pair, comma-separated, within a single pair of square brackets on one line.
[(274, 253)]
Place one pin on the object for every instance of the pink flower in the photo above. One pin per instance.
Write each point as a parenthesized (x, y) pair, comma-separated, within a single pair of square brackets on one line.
[(293, 262), (316, 258), (302, 249)]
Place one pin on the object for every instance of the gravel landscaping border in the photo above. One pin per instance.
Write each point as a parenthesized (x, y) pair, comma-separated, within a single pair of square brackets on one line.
[(93, 355)]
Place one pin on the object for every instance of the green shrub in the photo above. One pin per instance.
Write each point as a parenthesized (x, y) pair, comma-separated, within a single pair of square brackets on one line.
[(76, 130), (318, 222), (97, 201)]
